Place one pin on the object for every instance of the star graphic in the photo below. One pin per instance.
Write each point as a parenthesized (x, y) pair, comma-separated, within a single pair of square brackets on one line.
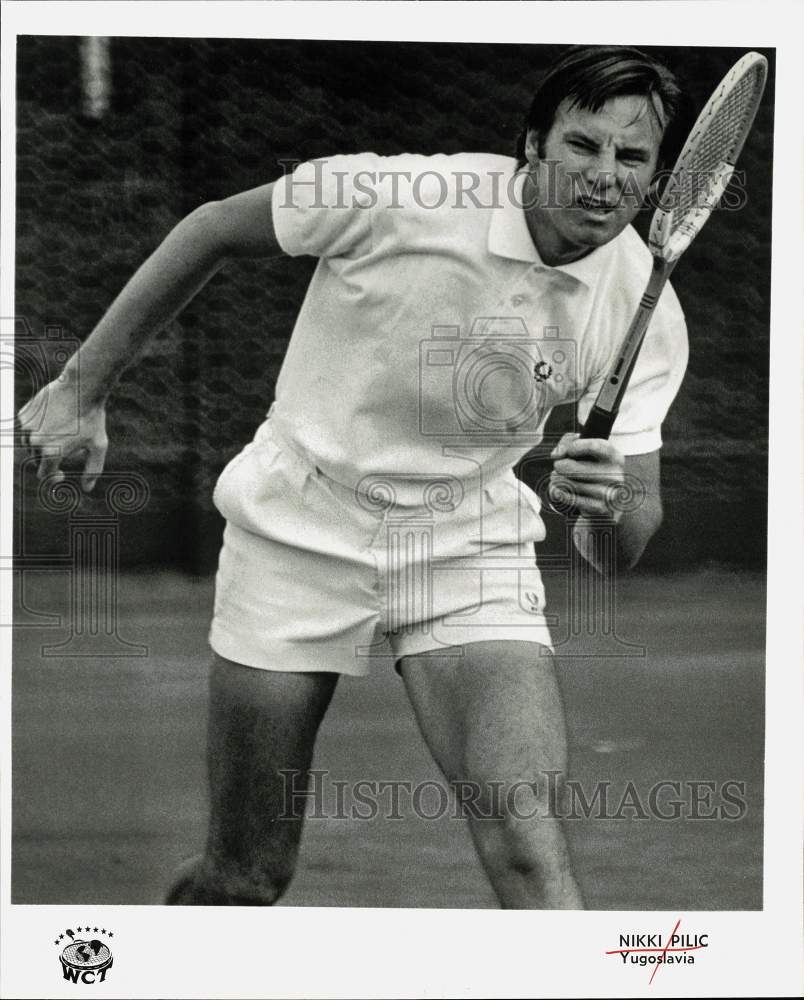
[(61, 937), (78, 929), (103, 930), (110, 934), (56, 941), (94, 930)]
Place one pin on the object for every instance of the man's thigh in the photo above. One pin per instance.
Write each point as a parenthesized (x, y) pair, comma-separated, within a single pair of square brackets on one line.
[(494, 722), (493, 713), (262, 729)]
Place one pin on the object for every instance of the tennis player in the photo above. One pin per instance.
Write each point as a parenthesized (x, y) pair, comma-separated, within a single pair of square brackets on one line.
[(375, 516)]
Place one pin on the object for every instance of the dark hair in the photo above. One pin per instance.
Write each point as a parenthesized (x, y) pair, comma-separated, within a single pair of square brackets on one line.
[(590, 75)]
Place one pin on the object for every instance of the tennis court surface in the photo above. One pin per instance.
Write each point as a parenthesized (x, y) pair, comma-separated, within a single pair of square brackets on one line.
[(108, 759)]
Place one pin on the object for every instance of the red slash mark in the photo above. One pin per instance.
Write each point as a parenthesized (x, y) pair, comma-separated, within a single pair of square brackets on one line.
[(664, 952)]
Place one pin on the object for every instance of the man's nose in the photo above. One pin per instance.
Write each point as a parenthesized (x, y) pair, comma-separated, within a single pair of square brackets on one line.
[(601, 170)]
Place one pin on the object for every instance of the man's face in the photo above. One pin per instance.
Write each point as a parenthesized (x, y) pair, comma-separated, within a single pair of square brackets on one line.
[(589, 175)]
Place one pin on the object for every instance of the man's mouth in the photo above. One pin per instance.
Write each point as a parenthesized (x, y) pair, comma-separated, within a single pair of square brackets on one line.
[(596, 207)]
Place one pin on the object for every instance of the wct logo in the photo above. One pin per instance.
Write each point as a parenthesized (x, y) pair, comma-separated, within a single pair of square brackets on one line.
[(85, 961)]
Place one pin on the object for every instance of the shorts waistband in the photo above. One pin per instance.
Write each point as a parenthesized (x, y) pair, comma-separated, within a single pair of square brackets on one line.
[(380, 492)]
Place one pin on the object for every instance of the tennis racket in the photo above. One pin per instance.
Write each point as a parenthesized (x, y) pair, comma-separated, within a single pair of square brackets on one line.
[(693, 190)]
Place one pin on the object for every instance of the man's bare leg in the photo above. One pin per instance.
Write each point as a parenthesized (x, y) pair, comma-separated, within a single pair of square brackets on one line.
[(494, 715), (261, 723)]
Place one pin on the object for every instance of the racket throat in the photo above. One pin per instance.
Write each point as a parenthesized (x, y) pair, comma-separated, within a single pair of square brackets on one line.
[(607, 404)]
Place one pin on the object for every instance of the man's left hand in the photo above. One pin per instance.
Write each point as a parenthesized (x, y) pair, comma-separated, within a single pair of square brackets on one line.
[(588, 475)]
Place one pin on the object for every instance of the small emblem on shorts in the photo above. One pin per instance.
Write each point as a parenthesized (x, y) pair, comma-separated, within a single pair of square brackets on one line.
[(542, 371), (85, 961)]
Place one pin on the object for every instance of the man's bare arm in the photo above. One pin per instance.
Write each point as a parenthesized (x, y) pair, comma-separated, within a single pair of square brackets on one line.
[(240, 226), (592, 473), (183, 263), (635, 528)]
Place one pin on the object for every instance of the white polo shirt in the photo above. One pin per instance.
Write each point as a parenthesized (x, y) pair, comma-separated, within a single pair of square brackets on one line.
[(433, 340)]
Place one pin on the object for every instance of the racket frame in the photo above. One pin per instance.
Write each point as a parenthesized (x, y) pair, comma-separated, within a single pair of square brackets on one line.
[(668, 245)]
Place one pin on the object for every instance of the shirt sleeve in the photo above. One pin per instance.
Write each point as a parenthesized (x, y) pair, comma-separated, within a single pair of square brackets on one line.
[(323, 208), (654, 384)]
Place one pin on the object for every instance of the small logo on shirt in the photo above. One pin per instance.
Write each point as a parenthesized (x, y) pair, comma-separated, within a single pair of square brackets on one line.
[(533, 601), (542, 371)]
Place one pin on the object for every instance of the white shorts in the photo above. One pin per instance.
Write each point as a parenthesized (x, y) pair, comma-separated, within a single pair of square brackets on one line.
[(315, 576)]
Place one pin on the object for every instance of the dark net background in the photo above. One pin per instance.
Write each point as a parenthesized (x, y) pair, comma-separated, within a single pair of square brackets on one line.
[(193, 120)]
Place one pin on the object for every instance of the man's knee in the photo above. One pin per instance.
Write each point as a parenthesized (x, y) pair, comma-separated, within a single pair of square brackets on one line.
[(532, 848), (516, 824)]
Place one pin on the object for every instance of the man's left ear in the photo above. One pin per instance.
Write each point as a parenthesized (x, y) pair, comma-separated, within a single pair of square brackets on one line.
[(532, 141)]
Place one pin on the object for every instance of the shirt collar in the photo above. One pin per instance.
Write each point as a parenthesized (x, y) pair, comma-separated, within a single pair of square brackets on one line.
[(510, 237)]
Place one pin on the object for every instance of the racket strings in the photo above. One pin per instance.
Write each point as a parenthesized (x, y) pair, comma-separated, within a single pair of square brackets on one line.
[(713, 145)]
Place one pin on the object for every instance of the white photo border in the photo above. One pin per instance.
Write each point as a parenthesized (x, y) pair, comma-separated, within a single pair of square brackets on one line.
[(327, 952)]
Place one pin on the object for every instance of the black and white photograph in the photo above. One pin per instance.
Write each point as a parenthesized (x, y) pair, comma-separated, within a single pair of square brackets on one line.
[(389, 520)]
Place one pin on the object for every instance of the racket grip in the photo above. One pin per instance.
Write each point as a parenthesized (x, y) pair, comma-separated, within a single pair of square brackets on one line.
[(598, 424)]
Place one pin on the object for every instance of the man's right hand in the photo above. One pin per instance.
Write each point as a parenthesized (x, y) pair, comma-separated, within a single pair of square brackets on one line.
[(58, 425)]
